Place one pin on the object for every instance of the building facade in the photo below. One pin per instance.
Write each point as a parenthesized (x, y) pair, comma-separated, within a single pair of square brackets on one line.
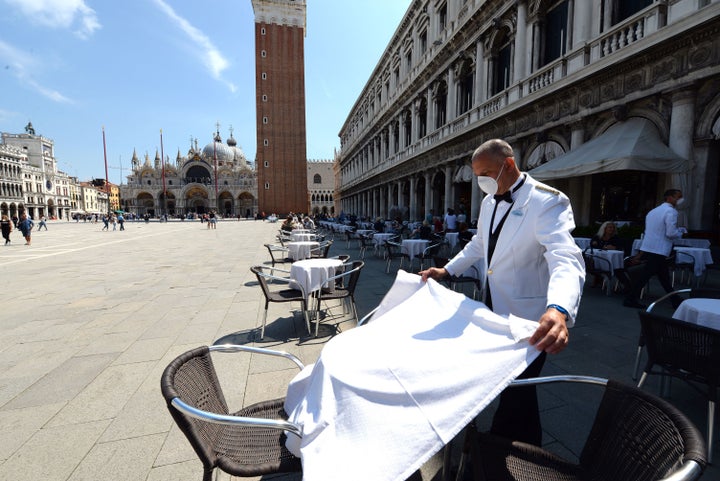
[(321, 187), (281, 159), (30, 181), (636, 81), (219, 178)]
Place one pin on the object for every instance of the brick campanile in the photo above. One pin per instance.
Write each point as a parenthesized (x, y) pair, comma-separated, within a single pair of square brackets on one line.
[(281, 159)]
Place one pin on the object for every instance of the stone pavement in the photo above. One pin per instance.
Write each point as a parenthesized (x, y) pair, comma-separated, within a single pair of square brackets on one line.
[(90, 319)]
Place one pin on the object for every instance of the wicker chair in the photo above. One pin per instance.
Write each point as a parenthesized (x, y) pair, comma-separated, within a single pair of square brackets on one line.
[(266, 275), (246, 443), (685, 351), (698, 292), (635, 436), (454, 281)]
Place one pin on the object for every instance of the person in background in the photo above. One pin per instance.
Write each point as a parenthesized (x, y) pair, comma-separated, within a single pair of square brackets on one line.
[(606, 237), (26, 226), (42, 223), (6, 226), (660, 231), (450, 221), (533, 268)]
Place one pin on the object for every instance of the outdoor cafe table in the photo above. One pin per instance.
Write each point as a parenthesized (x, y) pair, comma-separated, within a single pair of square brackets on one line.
[(300, 250), (311, 274), (701, 311), (582, 242), (380, 238), (452, 238), (414, 247), (384, 397), (700, 243), (615, 257), (302, 236), (701, 257)]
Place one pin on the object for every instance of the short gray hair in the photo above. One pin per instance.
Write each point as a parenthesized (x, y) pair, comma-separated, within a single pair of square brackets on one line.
[(496, 149)]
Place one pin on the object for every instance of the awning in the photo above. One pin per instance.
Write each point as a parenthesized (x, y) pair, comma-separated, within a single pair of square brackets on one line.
[(631, 145), (463, 174)]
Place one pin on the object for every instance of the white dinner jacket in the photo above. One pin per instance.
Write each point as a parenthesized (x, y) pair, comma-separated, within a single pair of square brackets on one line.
[(536, 261)]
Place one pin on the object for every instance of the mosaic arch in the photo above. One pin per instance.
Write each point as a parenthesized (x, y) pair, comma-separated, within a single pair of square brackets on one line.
[(196, 200)]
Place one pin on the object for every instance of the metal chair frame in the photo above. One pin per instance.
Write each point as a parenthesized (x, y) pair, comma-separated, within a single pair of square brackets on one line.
[(279, 295)]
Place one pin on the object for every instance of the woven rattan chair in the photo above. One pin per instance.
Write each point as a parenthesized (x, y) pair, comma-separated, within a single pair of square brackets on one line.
[(685, 351), (267, 275), (246, 443), (635, 436), (698, 292)]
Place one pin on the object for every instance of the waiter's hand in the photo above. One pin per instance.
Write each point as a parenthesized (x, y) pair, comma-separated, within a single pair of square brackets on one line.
[(433, 272), (551, 335)]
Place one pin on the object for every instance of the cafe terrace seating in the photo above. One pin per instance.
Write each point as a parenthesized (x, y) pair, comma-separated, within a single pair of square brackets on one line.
[(246, 443), (266, 275), (343, 289), (393, 250), (279, 254), (599, 266), (685, 351), (635, 436)]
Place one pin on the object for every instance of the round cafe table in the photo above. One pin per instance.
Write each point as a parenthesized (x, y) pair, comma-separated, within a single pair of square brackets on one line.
[(414, 247), (300, 250), (701, 311)]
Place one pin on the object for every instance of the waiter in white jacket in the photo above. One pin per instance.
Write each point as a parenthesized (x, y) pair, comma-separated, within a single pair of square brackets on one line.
[(533, 269)]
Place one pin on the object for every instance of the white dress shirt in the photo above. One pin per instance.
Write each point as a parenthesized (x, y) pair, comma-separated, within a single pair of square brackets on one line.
[(661, 229)]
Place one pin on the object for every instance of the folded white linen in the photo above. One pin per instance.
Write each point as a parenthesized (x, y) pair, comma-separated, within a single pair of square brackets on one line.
[(383, 398)]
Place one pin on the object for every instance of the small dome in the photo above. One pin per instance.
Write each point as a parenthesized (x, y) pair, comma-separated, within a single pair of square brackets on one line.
[(231, 141)]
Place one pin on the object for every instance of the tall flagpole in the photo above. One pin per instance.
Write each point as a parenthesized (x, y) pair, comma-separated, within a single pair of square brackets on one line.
[(107, 186), (217, 201), (162, 159)]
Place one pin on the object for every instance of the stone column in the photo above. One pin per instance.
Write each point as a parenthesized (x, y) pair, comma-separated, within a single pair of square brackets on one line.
[(682, 127), (452, 95), (449, 197), (413, 199), (480, 74), (520, 42), (428, 192)]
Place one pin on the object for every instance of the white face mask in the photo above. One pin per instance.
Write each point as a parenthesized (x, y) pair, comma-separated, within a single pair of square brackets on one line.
[(680, 202), (488, 184)]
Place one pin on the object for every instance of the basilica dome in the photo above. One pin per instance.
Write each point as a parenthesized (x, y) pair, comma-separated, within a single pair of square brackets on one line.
[(217, 149)]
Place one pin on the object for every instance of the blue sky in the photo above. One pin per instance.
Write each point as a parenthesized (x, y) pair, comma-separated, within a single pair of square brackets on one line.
[(138, 66)]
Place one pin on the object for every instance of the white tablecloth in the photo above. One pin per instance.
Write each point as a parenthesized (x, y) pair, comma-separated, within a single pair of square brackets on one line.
[(582, 242), (379, 239), (615, 257), (701, 243), (302, 236), (701, 257), (452, 238), (705, 312), (414, 247), (384, 397), (300, 250), (311, 274)]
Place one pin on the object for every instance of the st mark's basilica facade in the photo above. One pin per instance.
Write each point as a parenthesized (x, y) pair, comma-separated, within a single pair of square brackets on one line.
[(217, 178)]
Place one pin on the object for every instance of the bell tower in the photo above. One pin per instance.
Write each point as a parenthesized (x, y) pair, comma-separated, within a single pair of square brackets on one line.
[(281, 160)]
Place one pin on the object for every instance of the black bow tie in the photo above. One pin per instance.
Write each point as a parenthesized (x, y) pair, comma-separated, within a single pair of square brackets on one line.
[(507, 197)]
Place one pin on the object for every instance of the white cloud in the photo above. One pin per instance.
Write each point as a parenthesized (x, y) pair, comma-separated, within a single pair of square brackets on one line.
[(67, 14), (20, 64), (209, 55)]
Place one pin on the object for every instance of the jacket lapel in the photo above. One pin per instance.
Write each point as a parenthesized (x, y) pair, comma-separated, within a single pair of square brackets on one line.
[(514, 220)]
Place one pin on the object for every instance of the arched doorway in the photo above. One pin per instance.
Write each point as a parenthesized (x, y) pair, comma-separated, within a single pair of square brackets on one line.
[(169, 204), (246, 204), (145, 204), (226, 204), (196, 200)]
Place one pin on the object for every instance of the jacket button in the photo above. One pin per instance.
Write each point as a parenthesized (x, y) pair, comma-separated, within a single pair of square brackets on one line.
[(489, 271)]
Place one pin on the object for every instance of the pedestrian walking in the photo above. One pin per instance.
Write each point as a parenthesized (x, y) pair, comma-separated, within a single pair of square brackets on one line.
[(106, 222), (121, 221), (42, 223), (26, 226), (6, 225)]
